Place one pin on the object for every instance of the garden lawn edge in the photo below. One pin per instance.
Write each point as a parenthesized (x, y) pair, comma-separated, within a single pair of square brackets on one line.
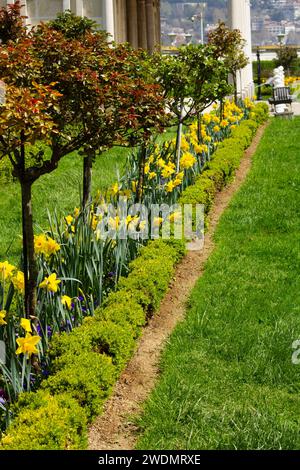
[(89, 360)]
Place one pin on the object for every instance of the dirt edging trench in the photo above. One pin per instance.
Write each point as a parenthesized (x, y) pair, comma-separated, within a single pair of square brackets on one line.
[(114, 430)]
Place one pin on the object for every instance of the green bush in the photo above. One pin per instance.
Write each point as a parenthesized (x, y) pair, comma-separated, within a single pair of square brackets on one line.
[(87, 377), (102, 337), (46, 422)]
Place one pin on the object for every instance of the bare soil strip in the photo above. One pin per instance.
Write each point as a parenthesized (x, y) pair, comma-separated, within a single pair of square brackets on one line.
[(114, 430)]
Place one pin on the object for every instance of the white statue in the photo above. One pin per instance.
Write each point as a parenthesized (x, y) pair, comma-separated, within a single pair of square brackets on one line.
[(278, 82)]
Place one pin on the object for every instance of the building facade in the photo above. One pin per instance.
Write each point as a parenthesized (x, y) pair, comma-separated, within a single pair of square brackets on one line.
[(133, 21)]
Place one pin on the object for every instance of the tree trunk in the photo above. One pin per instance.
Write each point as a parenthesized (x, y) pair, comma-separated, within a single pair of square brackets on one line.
[(142, 163), (235, 88), (199, 128), (30, 270), (87, 181)]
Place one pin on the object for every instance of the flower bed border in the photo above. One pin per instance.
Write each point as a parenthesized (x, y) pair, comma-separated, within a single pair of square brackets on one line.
[(89, 360)]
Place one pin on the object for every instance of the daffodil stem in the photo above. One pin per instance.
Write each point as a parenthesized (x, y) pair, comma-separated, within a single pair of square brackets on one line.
[(23, 370)]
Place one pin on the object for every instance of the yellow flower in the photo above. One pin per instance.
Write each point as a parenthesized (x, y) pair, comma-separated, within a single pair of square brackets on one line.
[(187, 160), (26, 325), (216, 119), (76, 212), (147, 169), (66, 301), (170, 186), (50, 283), (19, 281), (2, 316), (168, 171), (45, 245), (161, 163), (233, 126), (157, 221), (152, 175), (115, 188), (69, 219), (94, 222), (174, 217), (216, 129), (6, 270), (28, 344), (52, 247), (224, 123), (206, 118), (184, 144), (178, 179)]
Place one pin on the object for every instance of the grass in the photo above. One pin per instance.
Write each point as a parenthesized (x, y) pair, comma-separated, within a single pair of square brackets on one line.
[(58, 191), (227, 379)]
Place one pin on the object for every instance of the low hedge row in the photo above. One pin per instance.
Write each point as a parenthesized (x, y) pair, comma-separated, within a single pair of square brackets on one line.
[(87, 362)]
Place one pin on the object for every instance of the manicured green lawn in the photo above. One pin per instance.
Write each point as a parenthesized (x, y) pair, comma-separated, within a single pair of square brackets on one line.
[(227, 379)]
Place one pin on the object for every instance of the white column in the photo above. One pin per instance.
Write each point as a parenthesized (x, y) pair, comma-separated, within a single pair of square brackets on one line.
[(66, 5), (240, 18), (109, 17), (79, 8)]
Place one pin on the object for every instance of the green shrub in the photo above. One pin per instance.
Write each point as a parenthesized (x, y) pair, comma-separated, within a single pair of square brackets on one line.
[(102, 337), (122, 307), (45, 422), (87, 377)]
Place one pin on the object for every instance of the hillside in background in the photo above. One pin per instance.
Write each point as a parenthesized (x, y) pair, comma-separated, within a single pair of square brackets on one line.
[(269, 18)]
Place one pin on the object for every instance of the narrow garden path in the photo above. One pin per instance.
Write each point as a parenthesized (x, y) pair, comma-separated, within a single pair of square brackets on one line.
[(115, 429), (227, 376)]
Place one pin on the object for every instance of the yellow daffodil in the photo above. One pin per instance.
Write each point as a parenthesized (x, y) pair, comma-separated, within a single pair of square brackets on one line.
[(115, 188), (187, 160), (167, 171), (26, 325), (184, 144), (50, 283), (224, 123), (19, 282), (157, 221), (45, 245), (76, 212), (174, 217), (66, 301), (28, 344), (170, 186), (6, 270), (2, 316), (152, 175), (216, 129), (69, 219), (147, 169), (161, 163)]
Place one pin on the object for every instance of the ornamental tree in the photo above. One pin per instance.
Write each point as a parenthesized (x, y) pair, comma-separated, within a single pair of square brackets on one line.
[(11, 22), (84, 98), (192, 81), (229, 47), (133, 106)]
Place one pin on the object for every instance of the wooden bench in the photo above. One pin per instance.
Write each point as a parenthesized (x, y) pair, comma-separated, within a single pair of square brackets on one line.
[(282, 95)]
